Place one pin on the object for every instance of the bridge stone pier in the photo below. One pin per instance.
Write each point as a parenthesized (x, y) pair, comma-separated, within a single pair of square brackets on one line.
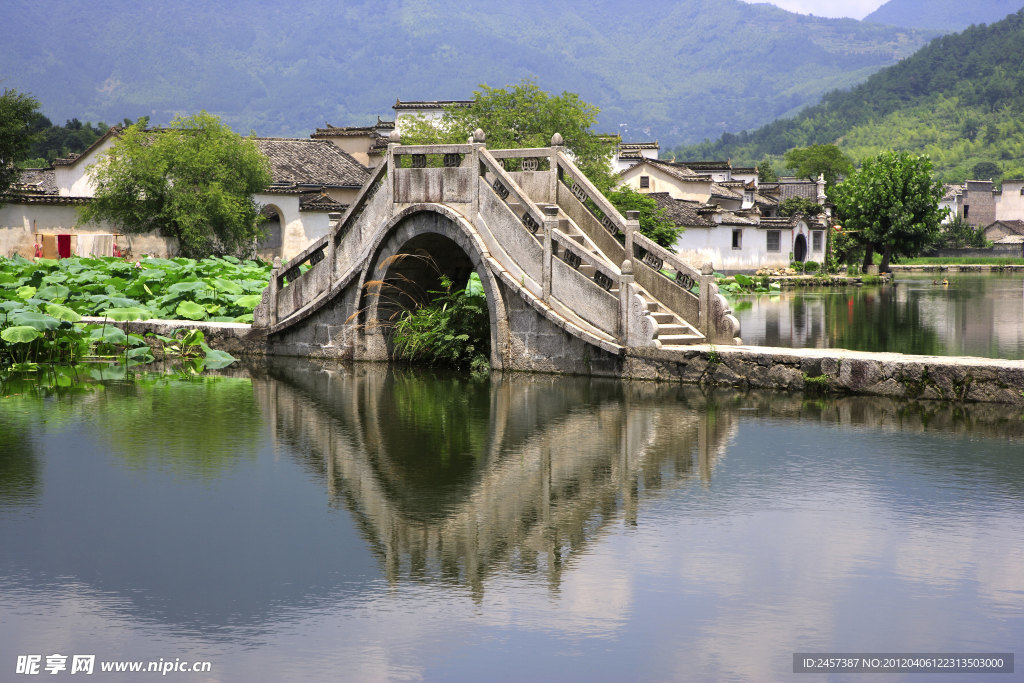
[(572, 285)]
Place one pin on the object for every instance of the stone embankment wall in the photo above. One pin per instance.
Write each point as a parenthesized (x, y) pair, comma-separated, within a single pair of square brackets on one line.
[(813, 371), (836, 371)]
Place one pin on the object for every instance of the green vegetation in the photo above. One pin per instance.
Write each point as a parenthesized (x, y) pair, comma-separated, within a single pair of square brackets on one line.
[(819, 160), (962, 260), (50, 142), (17, 111), (892, 204), (42, 303), (959, 100), (653, 222), (522, 115), (451, 329), (193, 181), (128, 59), (959, 234)]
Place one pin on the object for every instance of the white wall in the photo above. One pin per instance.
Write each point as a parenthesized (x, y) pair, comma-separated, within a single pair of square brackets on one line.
[(74, 180), (701, 245), (20, 223), (1010, 203)]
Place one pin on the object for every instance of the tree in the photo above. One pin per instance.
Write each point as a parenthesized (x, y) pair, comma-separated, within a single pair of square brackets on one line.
[(765, 172), (653, 222), (986, 170), (893, 204), (522, 115), (801, 205), (18, 111), (827, 160), (193, 181)]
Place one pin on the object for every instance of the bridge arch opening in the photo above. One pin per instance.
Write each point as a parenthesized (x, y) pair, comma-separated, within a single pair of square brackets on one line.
[(421, 249)]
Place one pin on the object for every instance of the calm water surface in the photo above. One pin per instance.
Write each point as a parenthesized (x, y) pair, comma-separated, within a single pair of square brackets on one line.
[(300, 523), (974, 315)]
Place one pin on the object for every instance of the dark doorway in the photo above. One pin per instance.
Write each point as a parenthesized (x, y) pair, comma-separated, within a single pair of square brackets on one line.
[(800, 248)]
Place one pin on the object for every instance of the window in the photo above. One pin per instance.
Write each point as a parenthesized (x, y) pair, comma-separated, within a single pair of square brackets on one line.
[(645, 181), (967, 210), (737, 239), (816, 240), (774, 240)]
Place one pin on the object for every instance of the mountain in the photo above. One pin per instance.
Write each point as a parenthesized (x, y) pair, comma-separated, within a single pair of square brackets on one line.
[(678, 70), (960, 99), (942, 15)]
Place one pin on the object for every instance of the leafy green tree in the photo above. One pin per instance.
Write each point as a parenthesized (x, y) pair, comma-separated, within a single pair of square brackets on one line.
[(986, 170), (766, 172), (17, 113), (653, 221), (522, 115), (801, 205), (827, 160), (193, 181), (893, 204)]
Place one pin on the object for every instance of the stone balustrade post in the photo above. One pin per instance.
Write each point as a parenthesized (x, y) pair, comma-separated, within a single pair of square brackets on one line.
[(626, 287), (557, 145), (707, 278), (478, 139), (272, 290), (632, 225), (550, 223)]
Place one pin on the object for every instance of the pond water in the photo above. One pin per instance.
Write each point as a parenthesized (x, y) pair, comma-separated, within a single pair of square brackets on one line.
[(293, 522), (974, 315)]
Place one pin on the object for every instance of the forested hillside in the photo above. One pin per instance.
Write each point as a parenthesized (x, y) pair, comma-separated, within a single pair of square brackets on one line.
[(960, 99), (943, 15), (677, 70)]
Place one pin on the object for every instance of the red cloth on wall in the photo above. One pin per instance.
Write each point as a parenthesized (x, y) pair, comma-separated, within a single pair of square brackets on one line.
[(63, 246)]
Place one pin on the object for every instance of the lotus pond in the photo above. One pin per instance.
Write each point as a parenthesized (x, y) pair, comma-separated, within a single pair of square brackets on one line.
[(42, 303)]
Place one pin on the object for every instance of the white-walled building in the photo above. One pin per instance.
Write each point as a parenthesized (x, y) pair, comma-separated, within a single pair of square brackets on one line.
[(312, 182), (730, 220)]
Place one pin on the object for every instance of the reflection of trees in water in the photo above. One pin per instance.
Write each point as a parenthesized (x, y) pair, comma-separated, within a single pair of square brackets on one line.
[(194, 426), (538, 468), (19, 466)]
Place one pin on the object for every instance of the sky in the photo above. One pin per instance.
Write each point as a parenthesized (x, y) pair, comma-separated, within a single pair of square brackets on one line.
[(856, 9)]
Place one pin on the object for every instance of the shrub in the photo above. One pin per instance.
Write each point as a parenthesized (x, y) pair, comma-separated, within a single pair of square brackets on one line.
[(811, 266)]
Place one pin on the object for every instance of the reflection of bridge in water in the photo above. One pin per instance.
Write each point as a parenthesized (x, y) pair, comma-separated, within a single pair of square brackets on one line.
[(524, 472)]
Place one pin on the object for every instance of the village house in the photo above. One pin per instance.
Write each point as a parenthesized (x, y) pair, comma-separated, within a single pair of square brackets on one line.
[(730, 220), (312, 183)]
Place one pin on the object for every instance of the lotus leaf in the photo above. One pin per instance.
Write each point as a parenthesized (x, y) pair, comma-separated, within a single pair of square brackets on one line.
[(744, 280), (20, 334), (26, 292), (248, 301), (62, 313), (51, 292), (35, 319), (187, 286), (128, 313), (191, 310)]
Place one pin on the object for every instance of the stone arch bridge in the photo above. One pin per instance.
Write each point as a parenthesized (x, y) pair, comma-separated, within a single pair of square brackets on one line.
[(572, 286)]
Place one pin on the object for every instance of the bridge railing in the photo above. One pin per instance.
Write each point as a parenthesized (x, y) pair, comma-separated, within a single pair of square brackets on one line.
[(597, 304), (668, 278), (433, 173)]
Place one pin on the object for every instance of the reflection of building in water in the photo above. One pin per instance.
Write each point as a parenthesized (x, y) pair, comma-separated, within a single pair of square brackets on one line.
[(552, 461), (794, 320), (975, 316)]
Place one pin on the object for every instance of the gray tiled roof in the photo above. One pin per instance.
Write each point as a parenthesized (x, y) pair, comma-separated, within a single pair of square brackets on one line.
[(1013, 226), (678, 171), (797, 187), (37, 181), (317, 201), (680, 211), (430, 104), (310, 163)]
